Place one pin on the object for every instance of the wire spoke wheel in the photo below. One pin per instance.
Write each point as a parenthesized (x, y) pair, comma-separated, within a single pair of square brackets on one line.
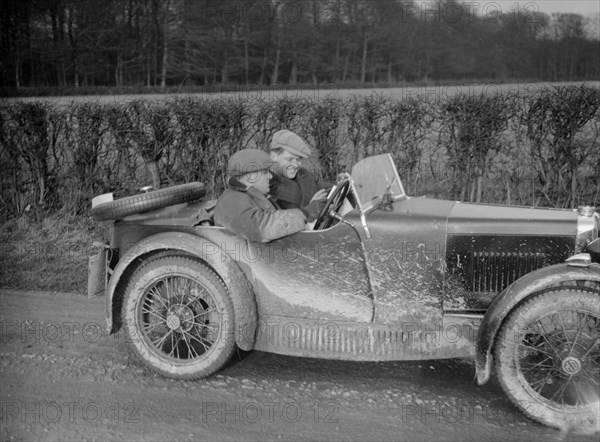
[(548, 357), (179, 317), (177, 313), (559, 356)]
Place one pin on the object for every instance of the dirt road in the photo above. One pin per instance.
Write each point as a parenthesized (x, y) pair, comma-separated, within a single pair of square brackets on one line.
[(63, 378)]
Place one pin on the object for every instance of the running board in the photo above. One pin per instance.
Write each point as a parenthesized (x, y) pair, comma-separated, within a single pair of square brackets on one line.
[(453, 338)]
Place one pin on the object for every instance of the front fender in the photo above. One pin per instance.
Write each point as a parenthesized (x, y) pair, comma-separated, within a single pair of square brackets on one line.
[(514, 294), (244, 303)]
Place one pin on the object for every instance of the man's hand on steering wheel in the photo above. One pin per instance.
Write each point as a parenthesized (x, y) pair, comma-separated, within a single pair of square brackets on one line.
[(333, 205), (313, 209), (320, 195)]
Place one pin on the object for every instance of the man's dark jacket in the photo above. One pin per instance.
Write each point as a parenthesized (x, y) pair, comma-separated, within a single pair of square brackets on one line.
[(251, 215), (291, 194)]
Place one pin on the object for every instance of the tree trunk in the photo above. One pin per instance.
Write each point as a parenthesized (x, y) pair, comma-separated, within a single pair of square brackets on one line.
[(294, 72), (338, 43), (155, 43), (246, 61), (73, 43), (225, 68), (118, 70), (573, 185), (18, 71), (346, 62), (76, 77), (186, 53), (363, 67), (163, 79), (155, 173), (463, 192), (263, 68), (275, 77), (336, 61), (148, 72)]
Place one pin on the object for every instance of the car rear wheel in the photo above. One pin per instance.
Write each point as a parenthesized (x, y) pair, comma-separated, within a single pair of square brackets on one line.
[(178, 318), (548, 358)]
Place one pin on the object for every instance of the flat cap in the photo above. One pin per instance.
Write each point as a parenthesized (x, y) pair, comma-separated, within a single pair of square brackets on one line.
[(247, 161), (288, 140)]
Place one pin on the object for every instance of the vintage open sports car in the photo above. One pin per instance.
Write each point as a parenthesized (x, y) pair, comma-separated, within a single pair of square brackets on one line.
[(381, 276)]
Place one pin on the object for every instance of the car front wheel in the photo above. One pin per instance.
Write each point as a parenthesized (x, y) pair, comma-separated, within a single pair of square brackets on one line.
[(548, 358), (178, 317)]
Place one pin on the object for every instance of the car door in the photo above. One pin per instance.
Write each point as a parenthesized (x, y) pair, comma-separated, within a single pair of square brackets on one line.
[(309, 288), (316, 275)]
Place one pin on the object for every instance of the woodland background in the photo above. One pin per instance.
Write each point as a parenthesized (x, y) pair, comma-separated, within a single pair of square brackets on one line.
[(82, 45)]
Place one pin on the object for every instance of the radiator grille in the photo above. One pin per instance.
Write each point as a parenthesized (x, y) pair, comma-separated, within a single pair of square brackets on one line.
[(493, 271)]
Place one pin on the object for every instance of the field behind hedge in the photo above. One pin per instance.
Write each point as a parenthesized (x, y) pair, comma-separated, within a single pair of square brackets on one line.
[(533, 146)]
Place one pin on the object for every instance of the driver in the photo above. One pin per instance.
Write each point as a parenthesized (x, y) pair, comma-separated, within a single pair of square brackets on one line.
[(292, 185), (244, 208)]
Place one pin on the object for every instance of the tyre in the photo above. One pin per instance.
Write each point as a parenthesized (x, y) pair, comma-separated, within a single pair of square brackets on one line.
[(144, 202), (547, 358), (178, 318)]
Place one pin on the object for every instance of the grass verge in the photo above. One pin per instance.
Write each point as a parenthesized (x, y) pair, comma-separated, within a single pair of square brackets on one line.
[(48, 254)]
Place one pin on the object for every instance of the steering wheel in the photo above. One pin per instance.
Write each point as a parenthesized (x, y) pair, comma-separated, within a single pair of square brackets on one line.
[(332, 206)]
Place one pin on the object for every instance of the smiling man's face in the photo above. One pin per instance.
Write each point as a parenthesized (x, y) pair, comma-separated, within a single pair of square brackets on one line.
[(287, 163)]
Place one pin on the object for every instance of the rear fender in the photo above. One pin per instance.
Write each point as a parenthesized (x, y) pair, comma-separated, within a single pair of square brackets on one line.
[(242, 295), (523, 288)]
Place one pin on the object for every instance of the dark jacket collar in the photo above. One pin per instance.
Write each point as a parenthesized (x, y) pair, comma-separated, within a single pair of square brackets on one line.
[(235, 184)]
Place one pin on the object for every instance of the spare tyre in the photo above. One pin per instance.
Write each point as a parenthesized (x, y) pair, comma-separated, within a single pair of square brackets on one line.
[(143, 202)]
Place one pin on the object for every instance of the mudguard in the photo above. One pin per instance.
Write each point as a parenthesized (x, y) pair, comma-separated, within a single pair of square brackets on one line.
[(244, 303), (514, 295)]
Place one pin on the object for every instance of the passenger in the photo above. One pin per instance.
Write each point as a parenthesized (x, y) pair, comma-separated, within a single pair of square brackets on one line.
[(292, 185), (244, 208)]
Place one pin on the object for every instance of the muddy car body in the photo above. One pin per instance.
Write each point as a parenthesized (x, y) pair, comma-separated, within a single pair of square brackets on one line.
[(385, 277)]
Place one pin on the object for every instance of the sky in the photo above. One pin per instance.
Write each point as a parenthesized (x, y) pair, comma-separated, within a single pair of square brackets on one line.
[(590, 9), (583, 7)]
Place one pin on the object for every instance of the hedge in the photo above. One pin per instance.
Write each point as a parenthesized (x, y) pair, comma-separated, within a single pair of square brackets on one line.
[(540, 148)]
